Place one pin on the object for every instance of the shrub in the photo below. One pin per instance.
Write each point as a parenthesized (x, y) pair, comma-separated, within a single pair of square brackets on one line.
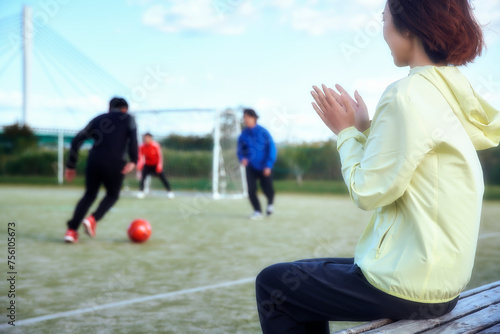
[(16, 139), (33, 163), (187, 163)]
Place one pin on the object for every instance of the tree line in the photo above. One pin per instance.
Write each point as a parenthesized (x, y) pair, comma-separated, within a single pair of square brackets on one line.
[(191, 156)]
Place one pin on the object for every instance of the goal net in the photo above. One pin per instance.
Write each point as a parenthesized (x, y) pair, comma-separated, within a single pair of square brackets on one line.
[(199, 151)]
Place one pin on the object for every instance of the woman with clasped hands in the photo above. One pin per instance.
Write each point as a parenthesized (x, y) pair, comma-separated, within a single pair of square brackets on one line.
[(416, 167)]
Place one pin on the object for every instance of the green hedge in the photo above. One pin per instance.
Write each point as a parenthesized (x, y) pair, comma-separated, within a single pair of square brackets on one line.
[(40, 161), (316, 161), (490, 161), (187, 163), (32, 163)]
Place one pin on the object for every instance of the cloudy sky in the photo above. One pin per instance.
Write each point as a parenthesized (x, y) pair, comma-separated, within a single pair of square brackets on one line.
[(264, 54)]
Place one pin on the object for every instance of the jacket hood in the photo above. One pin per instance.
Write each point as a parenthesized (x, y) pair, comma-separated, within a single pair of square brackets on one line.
[(478, 117)]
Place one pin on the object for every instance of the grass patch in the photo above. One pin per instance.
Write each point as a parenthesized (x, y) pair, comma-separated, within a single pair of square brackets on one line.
[(31, 180), (311, 187), (196, 242), (492, 192)]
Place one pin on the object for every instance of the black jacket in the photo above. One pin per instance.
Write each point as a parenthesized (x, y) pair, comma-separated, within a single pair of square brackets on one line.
[(114, 135)]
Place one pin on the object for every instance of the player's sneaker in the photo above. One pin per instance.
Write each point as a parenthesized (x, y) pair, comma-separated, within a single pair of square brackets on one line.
[(89, 224), (270, 209), (170, 194), (71, 236), (256, 215), (141, 194)]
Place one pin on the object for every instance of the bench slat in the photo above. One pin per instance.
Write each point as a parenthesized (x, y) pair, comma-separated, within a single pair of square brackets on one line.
[(470, 301), (492, 330), (472, 323), (465, 306), (482, 288), (365, 327)]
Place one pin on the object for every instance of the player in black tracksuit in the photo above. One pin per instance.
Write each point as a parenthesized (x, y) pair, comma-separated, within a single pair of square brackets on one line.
[(115, 136)]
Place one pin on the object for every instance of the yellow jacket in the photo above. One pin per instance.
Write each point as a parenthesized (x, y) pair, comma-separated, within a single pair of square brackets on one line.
[(418, 169)]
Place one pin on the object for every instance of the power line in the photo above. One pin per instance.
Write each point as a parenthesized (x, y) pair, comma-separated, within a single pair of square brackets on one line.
[(9, 61), (67, 71), (76, 55), (10, 30), (10, 19), (54, 84)]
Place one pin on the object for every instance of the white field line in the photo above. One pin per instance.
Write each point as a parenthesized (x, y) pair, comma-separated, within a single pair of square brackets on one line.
[(128, 302)]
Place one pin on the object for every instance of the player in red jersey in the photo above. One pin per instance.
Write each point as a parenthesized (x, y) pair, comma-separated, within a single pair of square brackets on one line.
[(151, 163)]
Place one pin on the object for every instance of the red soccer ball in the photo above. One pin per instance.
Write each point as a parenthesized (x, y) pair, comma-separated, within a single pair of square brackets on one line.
[(139, 230)]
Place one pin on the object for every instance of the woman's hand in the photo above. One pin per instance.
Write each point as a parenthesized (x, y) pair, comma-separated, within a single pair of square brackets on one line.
[(340, 111), (335, 110), (359, 106)]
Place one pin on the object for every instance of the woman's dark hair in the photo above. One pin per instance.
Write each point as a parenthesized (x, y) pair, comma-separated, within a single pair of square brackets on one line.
[(447, 28)]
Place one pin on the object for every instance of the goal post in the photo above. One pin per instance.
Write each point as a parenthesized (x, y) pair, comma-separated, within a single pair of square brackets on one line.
[(228, 175)]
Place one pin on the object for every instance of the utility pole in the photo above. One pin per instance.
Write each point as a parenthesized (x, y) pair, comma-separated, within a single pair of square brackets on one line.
[(27, 34)]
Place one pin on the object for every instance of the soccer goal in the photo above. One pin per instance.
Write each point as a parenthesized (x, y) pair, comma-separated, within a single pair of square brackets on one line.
[(199, 150)]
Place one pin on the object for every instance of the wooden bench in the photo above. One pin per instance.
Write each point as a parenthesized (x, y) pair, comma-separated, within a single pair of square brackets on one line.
[(477, 311)]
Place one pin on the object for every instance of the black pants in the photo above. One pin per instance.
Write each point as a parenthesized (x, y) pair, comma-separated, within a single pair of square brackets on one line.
[(266, 183), (97, 173), (151, 170), (301, 297)]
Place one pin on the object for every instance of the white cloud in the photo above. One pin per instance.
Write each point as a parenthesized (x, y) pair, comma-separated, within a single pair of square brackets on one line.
[(488, 14), (49, 111), (139, 2), (10, 99), (369, 5), (314, 21), (487, 11), (282, 4), (193, 16), (326, 17), (315, 17), (87, 103)]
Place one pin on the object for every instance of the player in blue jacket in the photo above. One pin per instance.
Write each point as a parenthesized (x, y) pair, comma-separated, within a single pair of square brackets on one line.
[(257, 152)]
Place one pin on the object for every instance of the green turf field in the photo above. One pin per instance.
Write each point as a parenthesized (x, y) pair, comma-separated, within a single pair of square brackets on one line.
[(195, 274)]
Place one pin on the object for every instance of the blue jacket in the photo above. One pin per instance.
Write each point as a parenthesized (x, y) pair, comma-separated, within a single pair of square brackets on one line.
[(258, 147)]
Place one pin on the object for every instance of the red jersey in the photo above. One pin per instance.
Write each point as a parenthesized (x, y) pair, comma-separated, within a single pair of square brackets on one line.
[(150, 155)]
